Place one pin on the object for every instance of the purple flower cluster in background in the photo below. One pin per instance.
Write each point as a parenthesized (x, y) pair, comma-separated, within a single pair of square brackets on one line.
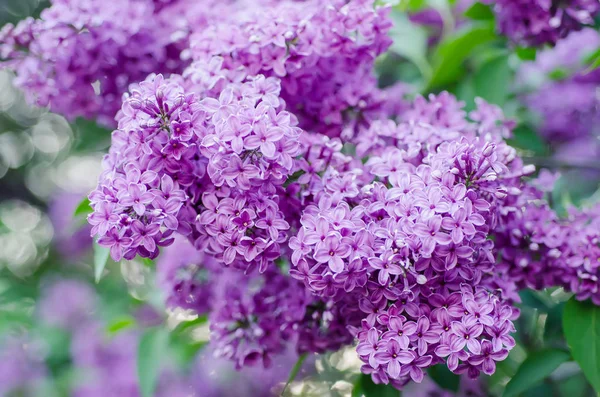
[(536, 22), (106, 365), (564, 94), (81, 55), (22, 369), (540, 250)]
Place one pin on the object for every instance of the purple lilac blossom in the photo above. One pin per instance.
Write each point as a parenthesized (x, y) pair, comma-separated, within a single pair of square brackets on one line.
[(536, 22), (22, 368), (81, 55), (568, 108), (323, 52), (209, 169), (66, 303), (255, 317), (540, 250), (414, 245), (187, 276)]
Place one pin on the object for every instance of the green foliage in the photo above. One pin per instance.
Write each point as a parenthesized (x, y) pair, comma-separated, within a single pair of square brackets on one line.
[(364, 386), (90, 136), (526, 53), (101, 255), (83, 208), (492, 81), (449, 57), (480, 12), (410, 42), (294, 371), (581, 324), (120, 323), (151, 351), (536, 367), (593, 60), (444, 378)]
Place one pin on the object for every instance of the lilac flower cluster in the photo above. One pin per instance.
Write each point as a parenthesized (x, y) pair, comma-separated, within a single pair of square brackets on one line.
[(81, 55), (67, 314), (413, 237), (400, 232), (187, 276), (209, 169), (540, 250), (22, 368), (256, 317), (323, 51), (253, 317), (536, 22), (467, 329), (568, 106)]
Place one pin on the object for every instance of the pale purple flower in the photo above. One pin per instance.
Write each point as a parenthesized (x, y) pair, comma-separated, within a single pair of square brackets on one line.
[(487, 357), (393, 357), (332, 251)]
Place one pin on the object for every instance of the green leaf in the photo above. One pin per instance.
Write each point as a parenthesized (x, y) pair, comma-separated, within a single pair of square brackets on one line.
[(593, 60), (480, 12), (151, 351), (451, 54), (411, 5), (534, 369), (90, 136), (148, 262), (57, 342), (444, 378), (11, 319), (120, 324), (410, 42), (294, 371), (187, 352), (558, 74), (101, 255), (83, 208), (524, 137), (186, 325), (526, 53), (365, 387), (492, 81), (581, 324)]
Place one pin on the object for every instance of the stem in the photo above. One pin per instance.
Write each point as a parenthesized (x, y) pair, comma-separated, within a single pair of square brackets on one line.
[(294, 372)]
